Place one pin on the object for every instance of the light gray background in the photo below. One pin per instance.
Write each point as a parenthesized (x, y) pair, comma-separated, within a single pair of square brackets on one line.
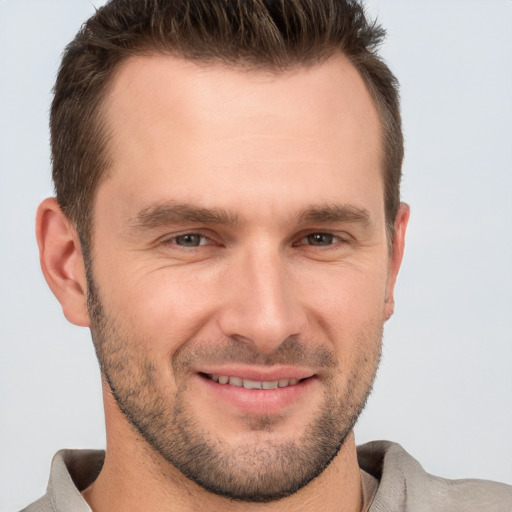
[(445, 386)]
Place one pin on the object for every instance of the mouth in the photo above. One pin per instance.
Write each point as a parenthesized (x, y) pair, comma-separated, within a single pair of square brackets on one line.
[(252, 384), (258, 391)]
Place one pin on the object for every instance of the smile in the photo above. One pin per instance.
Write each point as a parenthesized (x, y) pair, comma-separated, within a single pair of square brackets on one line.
[(252, 384)]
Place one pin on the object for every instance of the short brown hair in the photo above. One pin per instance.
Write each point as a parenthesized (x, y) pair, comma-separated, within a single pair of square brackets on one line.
[(270, 34)]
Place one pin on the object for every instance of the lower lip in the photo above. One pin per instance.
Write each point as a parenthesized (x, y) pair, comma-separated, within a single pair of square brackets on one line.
[(258, 401)]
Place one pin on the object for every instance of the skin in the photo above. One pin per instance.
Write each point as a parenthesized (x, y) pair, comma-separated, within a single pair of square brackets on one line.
[(283, 158)]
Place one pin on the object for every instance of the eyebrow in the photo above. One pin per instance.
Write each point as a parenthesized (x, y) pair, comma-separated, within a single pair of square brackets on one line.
[(331, 213), (170, 212)]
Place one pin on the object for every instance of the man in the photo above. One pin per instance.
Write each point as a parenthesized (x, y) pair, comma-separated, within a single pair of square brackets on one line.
[(228, 224)]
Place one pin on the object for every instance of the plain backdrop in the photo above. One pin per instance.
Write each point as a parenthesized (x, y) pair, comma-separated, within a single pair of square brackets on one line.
[(444, 390)]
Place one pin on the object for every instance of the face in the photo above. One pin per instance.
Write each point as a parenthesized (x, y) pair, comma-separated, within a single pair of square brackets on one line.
[(241, 273)]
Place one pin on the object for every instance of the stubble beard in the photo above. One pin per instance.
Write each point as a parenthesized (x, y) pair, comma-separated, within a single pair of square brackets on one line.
[(268, 469)]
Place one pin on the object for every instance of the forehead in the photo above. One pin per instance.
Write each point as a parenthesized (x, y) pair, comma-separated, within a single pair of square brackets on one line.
[(187, 129), (209, 95)]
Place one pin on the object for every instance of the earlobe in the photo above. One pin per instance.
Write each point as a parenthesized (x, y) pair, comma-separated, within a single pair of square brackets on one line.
[(61, 260), (395, 259)]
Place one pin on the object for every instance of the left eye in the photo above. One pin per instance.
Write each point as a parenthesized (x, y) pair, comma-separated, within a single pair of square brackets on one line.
[(320, 239), (190, 240)]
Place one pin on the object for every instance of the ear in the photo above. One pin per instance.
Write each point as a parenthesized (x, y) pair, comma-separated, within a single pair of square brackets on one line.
[(60, 255), (395, 258)]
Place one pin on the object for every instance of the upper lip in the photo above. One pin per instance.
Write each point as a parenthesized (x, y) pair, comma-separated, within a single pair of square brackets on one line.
[(261, 374)]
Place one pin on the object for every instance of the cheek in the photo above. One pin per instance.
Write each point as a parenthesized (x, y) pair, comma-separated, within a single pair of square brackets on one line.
[(347, 310), (167, 307), (347, 295)]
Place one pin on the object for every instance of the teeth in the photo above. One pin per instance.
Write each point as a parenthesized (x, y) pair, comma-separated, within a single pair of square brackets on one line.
[(236, 381), (253, 384)]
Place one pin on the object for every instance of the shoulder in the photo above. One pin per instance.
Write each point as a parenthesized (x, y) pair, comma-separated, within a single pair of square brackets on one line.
[(405, 485)]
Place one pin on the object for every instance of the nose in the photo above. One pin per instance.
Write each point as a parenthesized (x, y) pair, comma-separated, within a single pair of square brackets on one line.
[(260, 306)]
